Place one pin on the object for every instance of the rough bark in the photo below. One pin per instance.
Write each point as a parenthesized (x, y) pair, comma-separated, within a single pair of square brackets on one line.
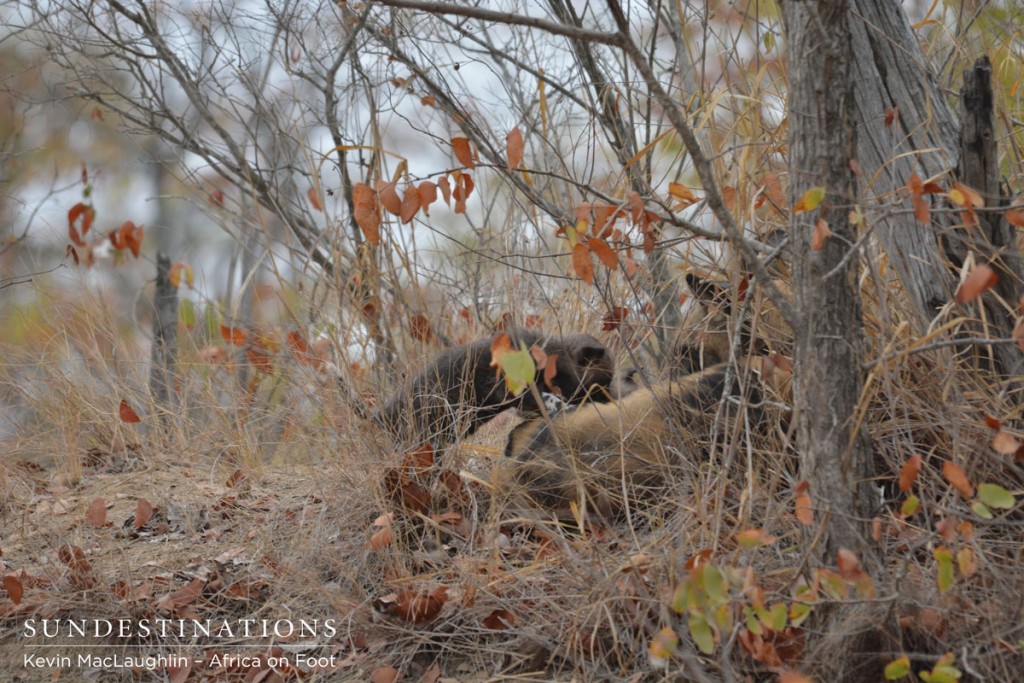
[(829, 339), (835, 453), (993, 241), (889, 70)]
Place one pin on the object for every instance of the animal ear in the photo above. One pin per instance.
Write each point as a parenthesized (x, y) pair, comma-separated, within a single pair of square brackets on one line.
[(706, 291), (590, 354)]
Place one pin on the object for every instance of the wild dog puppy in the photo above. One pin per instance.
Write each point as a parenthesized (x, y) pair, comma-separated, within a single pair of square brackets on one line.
[(459, 390), (620, 453), (708, 333)]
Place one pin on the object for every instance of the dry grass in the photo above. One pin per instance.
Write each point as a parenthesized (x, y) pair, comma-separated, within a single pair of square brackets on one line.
[(265, 506)]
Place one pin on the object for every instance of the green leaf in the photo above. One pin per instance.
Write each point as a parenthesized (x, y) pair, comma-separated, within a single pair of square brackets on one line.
[(945, 674), (187, 313), (777, 617), (897, 669), (701, 632), (519, 368), (910, 505), (769, 41), (945, 560), (211, 321), (982, 510), (995, 496), (686, 598), (798, 612), (810, 200), (714, 584), (753, 623)]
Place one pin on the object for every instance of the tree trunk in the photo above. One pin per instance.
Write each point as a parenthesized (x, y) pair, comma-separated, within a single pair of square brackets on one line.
[(835, 453), (888, 71), (829, 339), (165, 333), (994, 240)]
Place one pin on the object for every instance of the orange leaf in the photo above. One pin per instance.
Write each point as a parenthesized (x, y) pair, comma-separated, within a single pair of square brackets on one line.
[(993, 423), (909, 471), (410, 204), (419, 328), (463, 152), (978, 281), (849, 565), (794, 677), (636, 206), (260, 361), (234, 335), (946, 527), (915, 186), (366, 212), (1015, 214), (187, 594), (130, 236), (446, 190), (967, 197), (499, 620), (603, 213), (514, 145), (385, 674), (73, 558), (1005, 444), (417, 609), (389, 198), (143, 513), (613, 318), (176, 271), (550, 372), (821, 233), (540, 356), (419, 459), (682, 193), (582, 263), (428, 195), (957, 478), (428, 101), (97, 513), (296, 343), (314, 199), (86, 214), (729, 198), (804, 511), (127, 414), (14, 589), (381, 538), (501, 345), (237, 477), (603, 252), (460, 193)]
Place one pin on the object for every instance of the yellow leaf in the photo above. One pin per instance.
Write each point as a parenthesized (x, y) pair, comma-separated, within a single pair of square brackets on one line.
[(810, 200)]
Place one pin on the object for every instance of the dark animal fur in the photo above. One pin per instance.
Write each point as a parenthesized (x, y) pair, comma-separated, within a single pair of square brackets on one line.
[(459, 390), (707, 334), (602, 452)]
